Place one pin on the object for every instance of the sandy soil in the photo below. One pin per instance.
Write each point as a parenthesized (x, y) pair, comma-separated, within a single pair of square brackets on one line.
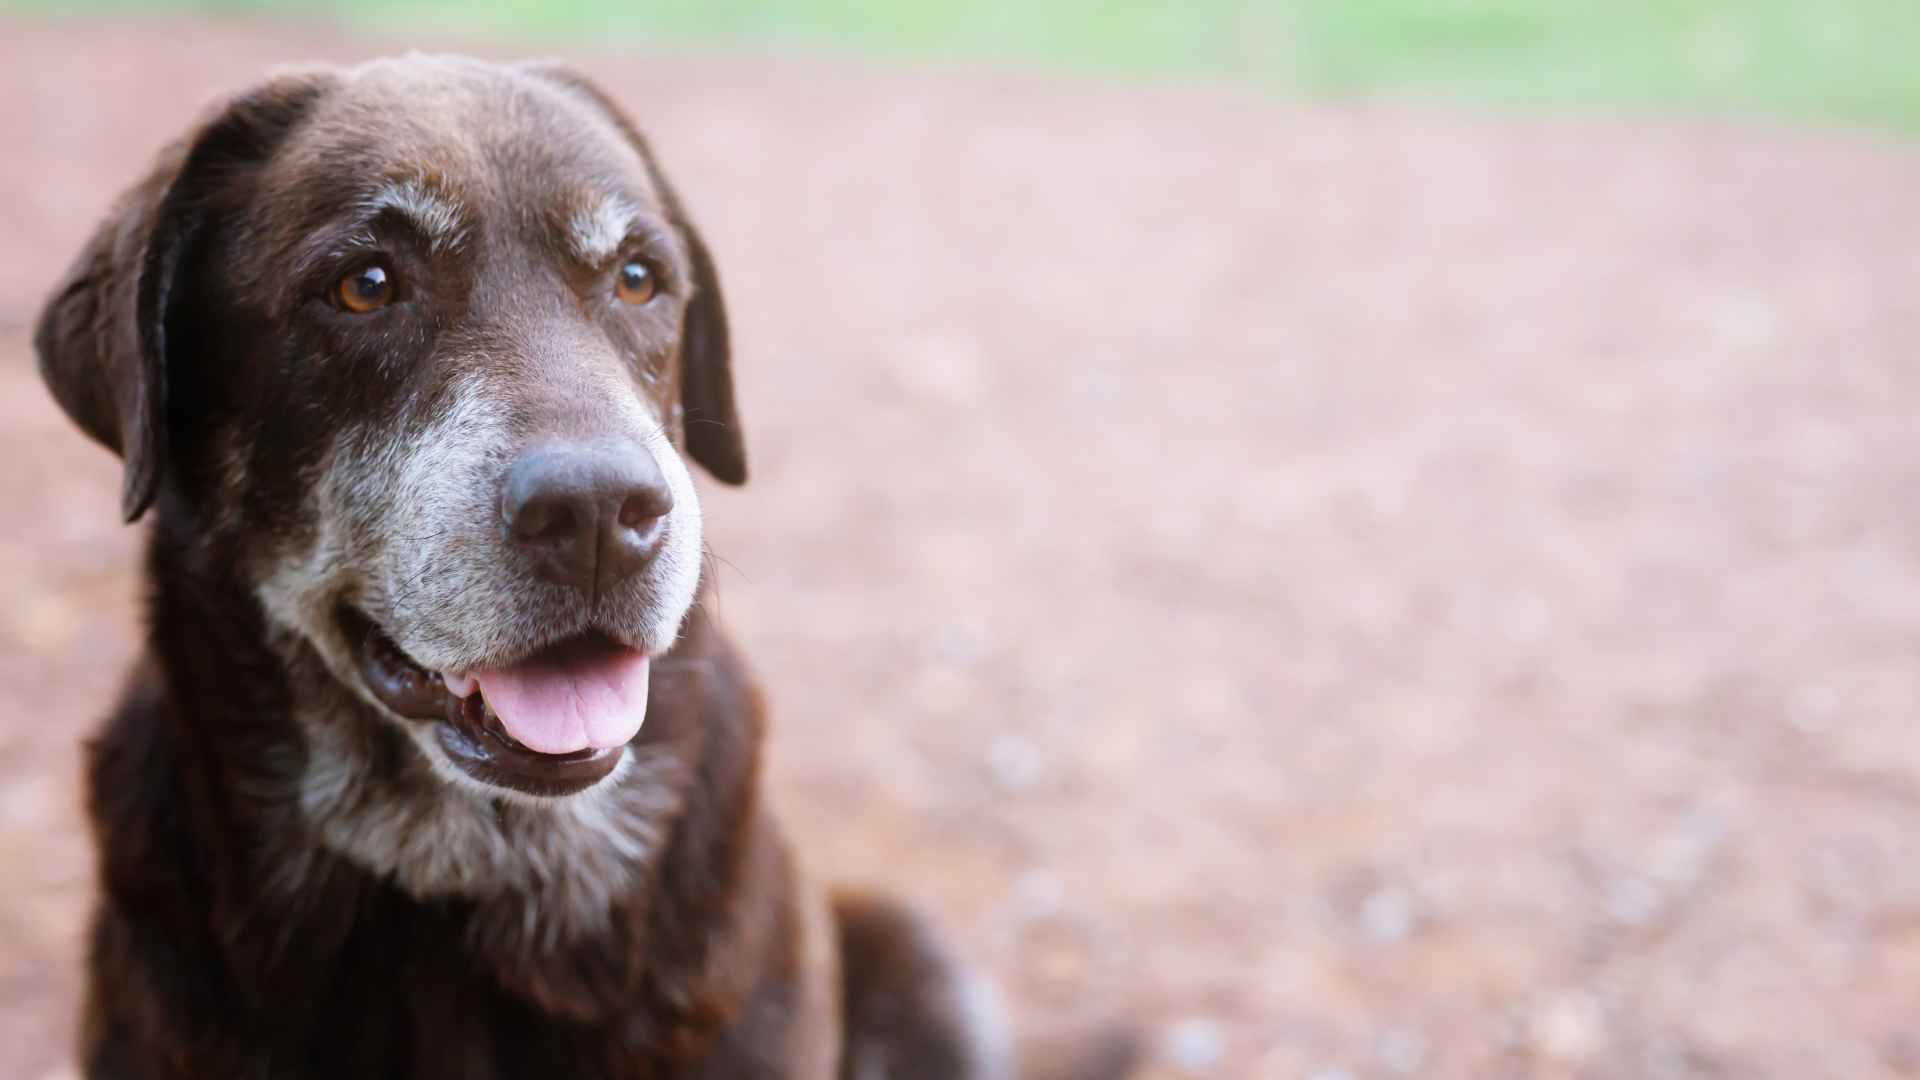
[(1375, 592)]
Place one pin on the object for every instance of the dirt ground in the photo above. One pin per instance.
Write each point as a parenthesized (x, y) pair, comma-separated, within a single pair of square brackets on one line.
[(1374, 592)]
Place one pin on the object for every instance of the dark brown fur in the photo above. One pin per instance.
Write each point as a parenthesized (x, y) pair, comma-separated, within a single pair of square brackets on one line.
[(199, 971), (233, 938)]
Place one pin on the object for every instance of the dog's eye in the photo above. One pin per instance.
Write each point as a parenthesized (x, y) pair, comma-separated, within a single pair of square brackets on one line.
[(367, 289), (636, 284)]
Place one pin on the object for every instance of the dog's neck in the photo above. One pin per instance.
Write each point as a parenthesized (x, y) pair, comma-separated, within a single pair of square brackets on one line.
[(305, 803)]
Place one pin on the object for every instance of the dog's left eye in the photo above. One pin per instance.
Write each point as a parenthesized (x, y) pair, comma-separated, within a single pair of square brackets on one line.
[(635, 284), (365, 290)]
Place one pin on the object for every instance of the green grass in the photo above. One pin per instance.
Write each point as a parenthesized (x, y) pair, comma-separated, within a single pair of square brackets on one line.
[(1849, 60), (1845, 59)]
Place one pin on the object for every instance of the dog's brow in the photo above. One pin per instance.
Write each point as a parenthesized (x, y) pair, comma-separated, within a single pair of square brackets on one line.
[(438, 218), (597, 229)]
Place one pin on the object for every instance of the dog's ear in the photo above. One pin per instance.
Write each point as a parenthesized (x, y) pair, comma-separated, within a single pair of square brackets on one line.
[(102, 338), (714, 435)]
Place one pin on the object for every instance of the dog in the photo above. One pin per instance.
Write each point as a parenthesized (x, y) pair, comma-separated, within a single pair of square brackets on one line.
[(435, 765)]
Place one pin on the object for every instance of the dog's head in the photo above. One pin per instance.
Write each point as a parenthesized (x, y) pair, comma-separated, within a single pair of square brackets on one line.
[(422, 347)]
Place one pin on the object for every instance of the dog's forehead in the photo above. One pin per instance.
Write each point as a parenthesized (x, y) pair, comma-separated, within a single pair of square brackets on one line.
[(483, 136)]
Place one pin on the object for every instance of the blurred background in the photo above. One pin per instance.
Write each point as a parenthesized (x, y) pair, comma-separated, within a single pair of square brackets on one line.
[(1379, 538)]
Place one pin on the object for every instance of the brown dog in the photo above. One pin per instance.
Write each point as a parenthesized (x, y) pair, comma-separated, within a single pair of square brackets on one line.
[(405, 358)]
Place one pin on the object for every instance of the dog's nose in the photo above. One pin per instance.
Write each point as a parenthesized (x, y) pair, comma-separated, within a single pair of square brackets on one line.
[(589, 517)]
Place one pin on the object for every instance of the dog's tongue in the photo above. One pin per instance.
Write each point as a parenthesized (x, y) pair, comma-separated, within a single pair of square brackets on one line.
[(579, 695)]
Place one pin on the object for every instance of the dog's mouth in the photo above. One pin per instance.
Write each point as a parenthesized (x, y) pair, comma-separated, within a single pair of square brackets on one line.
[(553, 723)]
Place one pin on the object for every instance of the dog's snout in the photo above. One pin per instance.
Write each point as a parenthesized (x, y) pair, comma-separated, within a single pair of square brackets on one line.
[(589, 517)]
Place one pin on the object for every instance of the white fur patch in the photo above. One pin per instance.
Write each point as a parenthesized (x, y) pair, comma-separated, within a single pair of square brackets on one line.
[(676, 567), (437, 217), (597, 231)]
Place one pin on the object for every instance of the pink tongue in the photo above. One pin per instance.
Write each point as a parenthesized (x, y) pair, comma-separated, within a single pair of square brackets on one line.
[(586, 694)]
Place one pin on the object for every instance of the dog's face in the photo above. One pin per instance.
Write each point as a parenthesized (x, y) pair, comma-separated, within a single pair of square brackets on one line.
[(423, 348)]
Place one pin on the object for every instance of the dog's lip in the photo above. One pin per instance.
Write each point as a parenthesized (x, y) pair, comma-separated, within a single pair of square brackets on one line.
[(400, 682), (488, 754), (465, 728)]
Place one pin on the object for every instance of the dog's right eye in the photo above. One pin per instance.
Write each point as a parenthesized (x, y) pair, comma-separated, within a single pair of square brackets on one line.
[(636, 284), (365, 290)]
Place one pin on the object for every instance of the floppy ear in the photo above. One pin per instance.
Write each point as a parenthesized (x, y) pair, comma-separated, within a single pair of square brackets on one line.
[(714, 435), (102, 339)]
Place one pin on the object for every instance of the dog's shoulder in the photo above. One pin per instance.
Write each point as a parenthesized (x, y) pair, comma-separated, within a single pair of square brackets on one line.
[(137, 800)]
